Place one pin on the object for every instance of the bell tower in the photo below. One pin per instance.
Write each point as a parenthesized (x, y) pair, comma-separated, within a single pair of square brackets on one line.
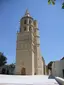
[(28, 57), (24, 46)]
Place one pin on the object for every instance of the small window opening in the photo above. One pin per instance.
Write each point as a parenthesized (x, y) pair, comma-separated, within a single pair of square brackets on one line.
[(25, 21), (29, 21), (29, 28), (24, 28)]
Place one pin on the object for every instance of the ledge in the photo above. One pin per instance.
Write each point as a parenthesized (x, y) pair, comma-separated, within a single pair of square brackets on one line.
[(60, 80)]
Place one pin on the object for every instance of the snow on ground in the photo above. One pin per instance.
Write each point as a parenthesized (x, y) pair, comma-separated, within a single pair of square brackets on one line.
[(26, 80)]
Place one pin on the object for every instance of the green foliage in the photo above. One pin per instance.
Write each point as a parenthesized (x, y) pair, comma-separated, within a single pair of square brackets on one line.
[(3, 59), (12, 65), (63, 5), (53, 3), (49, 1), (50, 65)]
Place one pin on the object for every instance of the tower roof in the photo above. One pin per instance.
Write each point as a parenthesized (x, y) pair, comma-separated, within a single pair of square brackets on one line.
[(27, 14)]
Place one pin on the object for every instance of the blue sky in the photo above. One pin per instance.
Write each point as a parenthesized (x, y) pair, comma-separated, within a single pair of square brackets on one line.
[(50, 21)]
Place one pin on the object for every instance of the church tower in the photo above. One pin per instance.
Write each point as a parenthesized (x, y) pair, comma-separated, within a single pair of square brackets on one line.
[(28, 58)]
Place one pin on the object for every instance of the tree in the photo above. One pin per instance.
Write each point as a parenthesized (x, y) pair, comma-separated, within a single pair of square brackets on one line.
[(51, 2), (62, 5), (50, 65), (3, 71), (3, 59), (54, 1), (7, 71), (12, 65)]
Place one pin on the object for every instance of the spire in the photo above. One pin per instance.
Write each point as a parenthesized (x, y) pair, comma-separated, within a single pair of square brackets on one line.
[(27, 13)]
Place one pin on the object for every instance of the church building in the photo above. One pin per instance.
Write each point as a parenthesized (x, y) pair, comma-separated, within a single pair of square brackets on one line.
[(28, 56)]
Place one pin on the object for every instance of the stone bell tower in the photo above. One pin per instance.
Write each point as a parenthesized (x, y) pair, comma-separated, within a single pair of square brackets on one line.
[(28, 57), (24, 49)]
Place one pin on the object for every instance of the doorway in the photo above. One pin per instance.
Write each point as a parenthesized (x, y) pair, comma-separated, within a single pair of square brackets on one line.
[(23, 71)]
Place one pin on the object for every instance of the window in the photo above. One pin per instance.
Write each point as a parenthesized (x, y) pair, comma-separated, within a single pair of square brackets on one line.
[(25, 21), (24, 28), (29, 21), (29, 28)]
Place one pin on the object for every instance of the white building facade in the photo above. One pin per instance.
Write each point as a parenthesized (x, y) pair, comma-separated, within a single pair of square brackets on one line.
[(58, 68)]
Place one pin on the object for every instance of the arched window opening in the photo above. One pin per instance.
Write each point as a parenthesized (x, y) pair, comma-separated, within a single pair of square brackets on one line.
[(29, 28), (25, 21), (30, 21), (25, 29)]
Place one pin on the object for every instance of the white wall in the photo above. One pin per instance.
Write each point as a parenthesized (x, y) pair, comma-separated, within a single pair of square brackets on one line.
[(57, 68)]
